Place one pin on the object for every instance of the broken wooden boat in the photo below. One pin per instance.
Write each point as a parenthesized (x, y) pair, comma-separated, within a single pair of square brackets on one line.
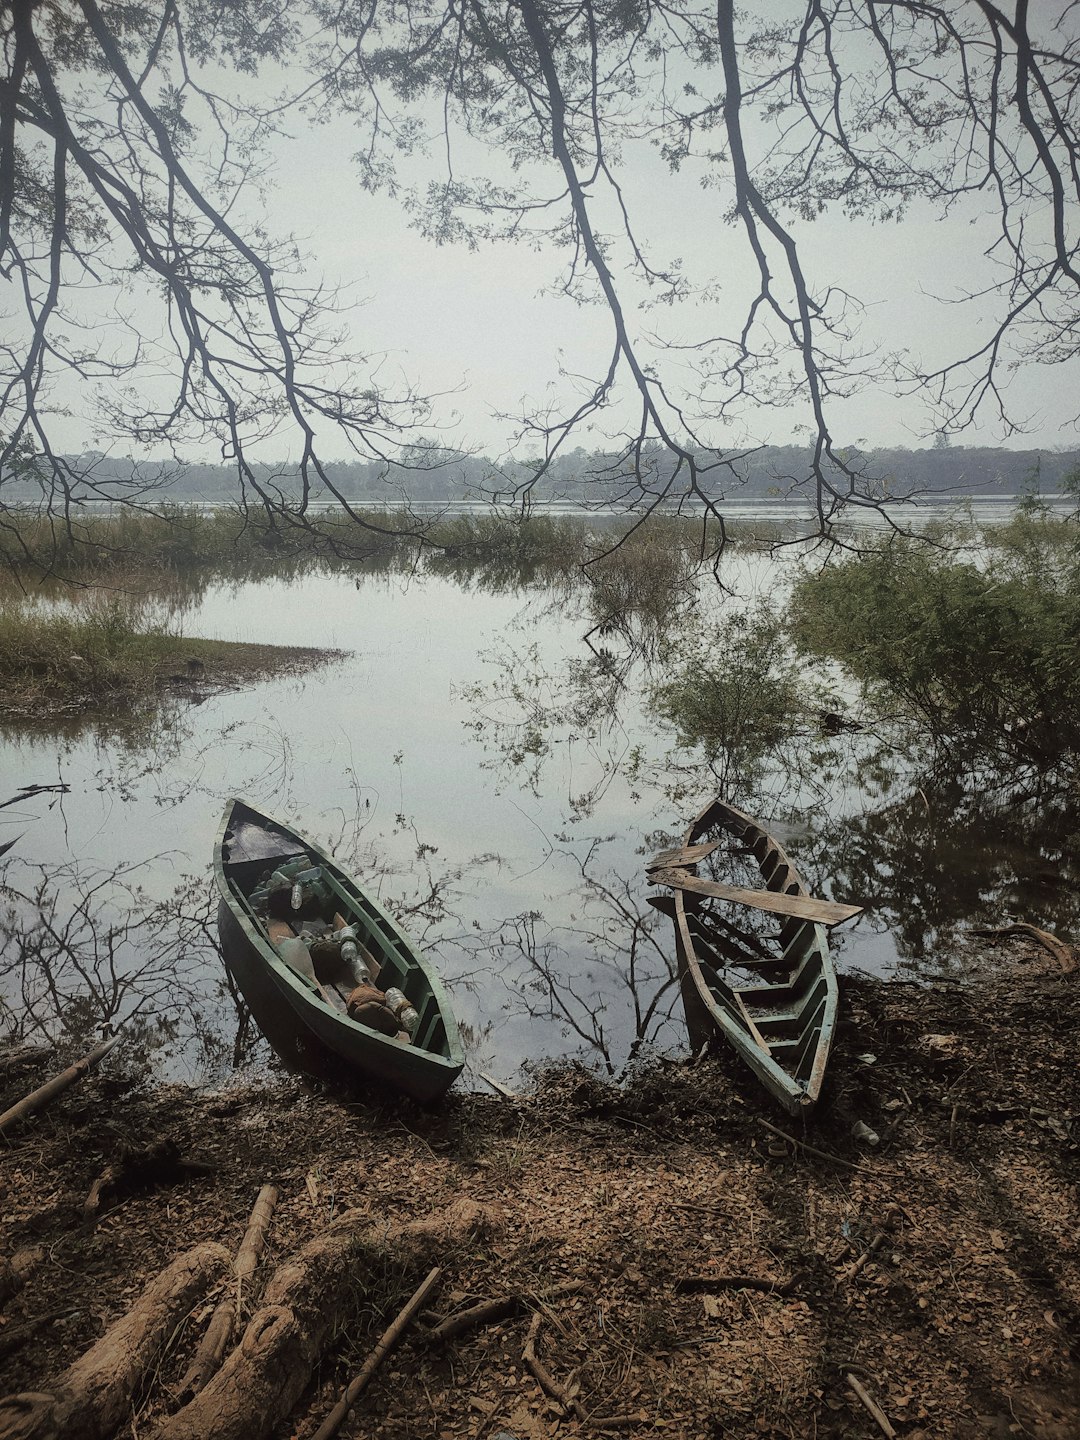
[(323, 965), (754, 964)]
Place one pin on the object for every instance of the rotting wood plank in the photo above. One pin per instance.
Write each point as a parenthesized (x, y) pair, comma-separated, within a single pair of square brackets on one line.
[(802, 907), (682, 855)]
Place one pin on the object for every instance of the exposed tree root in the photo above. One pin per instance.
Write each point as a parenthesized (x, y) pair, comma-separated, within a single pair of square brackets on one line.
[(266, 1374), (92, 1398)]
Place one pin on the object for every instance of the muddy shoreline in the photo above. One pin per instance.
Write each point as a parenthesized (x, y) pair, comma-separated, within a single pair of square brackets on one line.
[(705, 1276)]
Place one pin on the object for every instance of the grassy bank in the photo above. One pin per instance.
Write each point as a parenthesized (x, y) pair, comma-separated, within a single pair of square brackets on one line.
[(58, 660)]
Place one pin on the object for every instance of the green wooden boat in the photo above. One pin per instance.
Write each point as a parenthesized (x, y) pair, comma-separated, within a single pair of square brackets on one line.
[(308, 947), (754, 965)]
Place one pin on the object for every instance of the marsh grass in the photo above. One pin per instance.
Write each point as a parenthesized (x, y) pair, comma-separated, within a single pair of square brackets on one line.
[(627, 565), (101, 650), (182, 540)]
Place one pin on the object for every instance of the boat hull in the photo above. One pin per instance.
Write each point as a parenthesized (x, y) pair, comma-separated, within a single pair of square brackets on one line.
[(782, 1023), (301, 1025)]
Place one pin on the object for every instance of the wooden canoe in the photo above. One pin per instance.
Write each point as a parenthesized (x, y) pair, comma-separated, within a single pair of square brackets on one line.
[(301, 1004), (769, 988)]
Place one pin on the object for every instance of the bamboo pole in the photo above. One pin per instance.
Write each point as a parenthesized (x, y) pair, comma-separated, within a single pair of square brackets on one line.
[(38, 1099), (390, 1338), (212, 1347)]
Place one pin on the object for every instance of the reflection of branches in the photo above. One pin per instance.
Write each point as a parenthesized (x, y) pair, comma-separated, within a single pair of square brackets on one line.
[(936, 854), (531, 711), (86, 949), (606, 981)]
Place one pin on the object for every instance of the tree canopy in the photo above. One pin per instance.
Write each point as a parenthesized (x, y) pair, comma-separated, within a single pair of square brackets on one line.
[(131, 136)]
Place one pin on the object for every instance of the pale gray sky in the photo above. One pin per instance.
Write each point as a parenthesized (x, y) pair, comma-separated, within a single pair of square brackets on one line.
[(477, 328), (480, 324)]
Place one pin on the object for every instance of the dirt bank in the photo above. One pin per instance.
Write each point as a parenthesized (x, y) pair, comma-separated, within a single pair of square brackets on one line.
[(730, 1283)]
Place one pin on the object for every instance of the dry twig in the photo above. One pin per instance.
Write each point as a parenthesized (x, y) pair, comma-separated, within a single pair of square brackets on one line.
[(389, 1339)]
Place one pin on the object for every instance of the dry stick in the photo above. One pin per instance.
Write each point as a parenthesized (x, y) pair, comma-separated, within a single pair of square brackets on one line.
[(871, 1405), (543, 1376), (484, 1313), (212, 1347), (39, 1098), (861, 1261), (390, 1338), (504, 1090), (490, 1310), (824, 1154), (952, 1125)]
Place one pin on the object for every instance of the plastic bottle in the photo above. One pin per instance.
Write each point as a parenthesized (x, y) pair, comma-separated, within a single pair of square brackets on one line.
[(861, 1131), (352, 954), (405, 1012)]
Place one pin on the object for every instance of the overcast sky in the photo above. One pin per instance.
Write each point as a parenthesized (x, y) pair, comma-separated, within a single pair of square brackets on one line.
[(477, 330), (479, 327)]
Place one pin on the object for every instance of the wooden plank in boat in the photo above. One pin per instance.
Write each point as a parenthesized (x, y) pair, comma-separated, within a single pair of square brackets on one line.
[(802, 907), (682, 855)]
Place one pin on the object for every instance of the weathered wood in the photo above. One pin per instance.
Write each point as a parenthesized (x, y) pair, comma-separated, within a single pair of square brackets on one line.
[(800, 907), (15, 1272), (388, 1340), (680, 855), (93, 1397), (264, 1376), (485, 1312), (39, 1098), (880, 1418), (543, 1375), (503, 1090), (219, 1332)]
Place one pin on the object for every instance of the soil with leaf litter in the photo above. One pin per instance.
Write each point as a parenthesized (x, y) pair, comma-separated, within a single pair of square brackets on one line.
[(672, 1265)]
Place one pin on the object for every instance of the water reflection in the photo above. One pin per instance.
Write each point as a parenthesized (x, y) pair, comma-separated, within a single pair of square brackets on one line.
[(496, 778)]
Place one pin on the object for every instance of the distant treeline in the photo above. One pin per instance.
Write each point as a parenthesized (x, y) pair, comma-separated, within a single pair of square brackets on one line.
[(577, 477)]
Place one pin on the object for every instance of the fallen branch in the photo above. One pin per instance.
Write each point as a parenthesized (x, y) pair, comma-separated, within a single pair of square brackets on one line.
[(387, 1342), (1064, 954), (141, 1169), (543, 1376), (219, 1332), (267, 1372), (15, 1272), (486, 1312), (92, 1398), (860, 1262), (39, 1098), (871, 1405), (824, 1154)]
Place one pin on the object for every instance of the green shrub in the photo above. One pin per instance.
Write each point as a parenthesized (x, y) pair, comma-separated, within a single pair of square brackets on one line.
[(734, 691), (980, 651)]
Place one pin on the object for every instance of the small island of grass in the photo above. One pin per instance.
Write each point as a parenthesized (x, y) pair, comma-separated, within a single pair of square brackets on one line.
[(64, 660)]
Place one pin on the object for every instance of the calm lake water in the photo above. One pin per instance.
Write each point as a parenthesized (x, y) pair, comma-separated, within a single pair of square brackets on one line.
[(465, 762)]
